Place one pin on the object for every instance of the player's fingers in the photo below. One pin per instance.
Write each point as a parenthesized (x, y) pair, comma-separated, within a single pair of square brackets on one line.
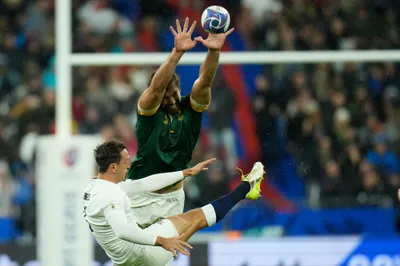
[(229, 31), (178, 26), (192, 27), (174, 252), (209, 161), (173, 30), (199, 39), (182, 250), (180, 237), (194, 43), (186, 245), (186, 25)]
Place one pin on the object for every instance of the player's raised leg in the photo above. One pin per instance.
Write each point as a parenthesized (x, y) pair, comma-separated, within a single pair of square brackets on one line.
[(190, 222), (186, 224)]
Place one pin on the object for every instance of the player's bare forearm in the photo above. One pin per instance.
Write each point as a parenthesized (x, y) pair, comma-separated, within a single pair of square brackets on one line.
[(152, 97), (201, 91)]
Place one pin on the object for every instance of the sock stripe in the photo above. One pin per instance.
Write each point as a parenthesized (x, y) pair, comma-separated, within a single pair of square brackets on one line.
[(210, 214)]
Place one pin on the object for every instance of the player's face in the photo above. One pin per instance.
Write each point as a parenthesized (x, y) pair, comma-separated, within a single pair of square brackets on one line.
[(171, 98), (123, 166)]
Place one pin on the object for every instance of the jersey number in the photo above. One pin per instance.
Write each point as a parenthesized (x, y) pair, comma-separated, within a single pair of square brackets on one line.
[(84, 215)]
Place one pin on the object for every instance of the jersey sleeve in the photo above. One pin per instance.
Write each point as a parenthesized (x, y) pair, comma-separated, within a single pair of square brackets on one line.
[(145, 124), (150, 112), (197, 106), (195, 115), (115, 216), (151, 183)]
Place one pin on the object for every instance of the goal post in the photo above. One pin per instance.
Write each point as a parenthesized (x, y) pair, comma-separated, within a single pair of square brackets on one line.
[(261, 57)]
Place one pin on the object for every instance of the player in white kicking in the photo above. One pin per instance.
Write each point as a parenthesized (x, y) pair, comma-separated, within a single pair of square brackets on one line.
[(112, 223)]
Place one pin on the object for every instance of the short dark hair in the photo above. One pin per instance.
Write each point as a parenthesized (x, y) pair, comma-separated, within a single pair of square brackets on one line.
[(175, 79), (107, 153)]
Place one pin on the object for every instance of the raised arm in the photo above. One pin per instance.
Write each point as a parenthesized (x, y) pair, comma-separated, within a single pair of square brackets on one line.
[(153, 95), (201, 91), (159, 181)]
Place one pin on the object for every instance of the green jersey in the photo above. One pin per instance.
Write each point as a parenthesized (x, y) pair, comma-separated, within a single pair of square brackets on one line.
[(165, 141)]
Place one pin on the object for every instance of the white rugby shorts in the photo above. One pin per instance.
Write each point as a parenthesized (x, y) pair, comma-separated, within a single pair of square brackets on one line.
[(151, 207)]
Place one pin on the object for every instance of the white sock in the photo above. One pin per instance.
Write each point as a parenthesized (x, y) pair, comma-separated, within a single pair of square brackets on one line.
[(210, 214)]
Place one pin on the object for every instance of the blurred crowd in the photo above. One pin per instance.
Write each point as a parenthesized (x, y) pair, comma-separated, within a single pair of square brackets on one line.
[(340, 122)]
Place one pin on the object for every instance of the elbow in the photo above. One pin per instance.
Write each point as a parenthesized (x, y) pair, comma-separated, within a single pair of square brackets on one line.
[(157, 89), (154, 94), (121, 235), (205, 81)]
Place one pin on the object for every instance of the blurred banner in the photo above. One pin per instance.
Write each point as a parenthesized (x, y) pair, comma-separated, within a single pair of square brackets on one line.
[(302, 251), (64, 168), (15, 255), (286, 251)]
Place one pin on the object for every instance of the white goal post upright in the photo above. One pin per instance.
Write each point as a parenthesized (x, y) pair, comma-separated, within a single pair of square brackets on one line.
[(64, 166), (63, 68), (65, 162)]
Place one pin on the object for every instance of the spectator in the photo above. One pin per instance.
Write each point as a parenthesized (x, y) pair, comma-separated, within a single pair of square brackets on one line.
[(8, 189), (372, 185), (102, 19), (381, 157), (351, 163), (266, 108)]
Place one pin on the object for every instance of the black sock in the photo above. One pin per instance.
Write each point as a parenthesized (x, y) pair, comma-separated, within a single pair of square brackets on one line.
[(225, 203)]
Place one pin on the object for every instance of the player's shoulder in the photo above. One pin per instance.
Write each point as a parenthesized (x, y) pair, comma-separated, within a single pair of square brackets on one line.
[(103, 190), (185, 100), (188, 103), (148, 115)]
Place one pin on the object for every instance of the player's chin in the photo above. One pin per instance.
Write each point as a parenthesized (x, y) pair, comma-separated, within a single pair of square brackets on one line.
[(173, 109)]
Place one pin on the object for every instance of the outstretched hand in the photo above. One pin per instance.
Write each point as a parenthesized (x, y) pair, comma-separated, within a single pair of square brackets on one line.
[(174, 245), (214, 42), (183, 37), (203, 166)]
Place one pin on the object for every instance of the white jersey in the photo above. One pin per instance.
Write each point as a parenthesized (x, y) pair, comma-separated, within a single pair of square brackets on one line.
[(99, 197), (107, 209)]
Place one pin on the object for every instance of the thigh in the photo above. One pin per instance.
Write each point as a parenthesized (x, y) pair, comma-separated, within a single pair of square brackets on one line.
[(157, 256), (150, 207)]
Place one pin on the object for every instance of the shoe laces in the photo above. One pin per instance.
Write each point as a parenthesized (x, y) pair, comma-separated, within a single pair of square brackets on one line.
[(241, 172)]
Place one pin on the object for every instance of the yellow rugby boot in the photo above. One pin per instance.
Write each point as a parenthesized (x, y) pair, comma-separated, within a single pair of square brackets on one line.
[(255, 177)]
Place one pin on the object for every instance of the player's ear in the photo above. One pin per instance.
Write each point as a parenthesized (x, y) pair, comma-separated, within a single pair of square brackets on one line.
[(113, 167)]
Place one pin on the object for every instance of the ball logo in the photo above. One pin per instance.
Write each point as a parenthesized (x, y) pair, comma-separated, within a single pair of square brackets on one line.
[(71, 157), (215, 21)]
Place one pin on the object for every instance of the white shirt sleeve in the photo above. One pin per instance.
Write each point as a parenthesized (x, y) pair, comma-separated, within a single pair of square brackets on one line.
[(151, 183), (116, 218)]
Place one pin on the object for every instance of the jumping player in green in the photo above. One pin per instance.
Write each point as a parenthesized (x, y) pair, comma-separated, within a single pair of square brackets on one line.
[(168, 125)]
